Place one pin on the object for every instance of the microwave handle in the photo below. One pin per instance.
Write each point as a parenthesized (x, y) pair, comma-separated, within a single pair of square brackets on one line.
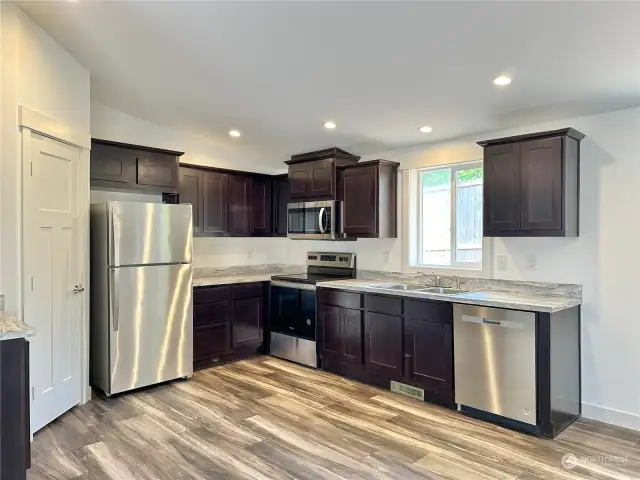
[(321, 220)]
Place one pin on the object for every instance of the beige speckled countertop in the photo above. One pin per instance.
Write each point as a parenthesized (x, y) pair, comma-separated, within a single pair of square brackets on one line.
[(489, 298), (228, 279), (12, 327)]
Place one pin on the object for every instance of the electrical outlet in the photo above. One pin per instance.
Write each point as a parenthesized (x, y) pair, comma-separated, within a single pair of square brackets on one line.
[(501, 261), (531, 261), (249, 254)]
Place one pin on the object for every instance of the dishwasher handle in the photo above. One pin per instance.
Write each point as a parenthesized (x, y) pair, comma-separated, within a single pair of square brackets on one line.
[(493, 323)]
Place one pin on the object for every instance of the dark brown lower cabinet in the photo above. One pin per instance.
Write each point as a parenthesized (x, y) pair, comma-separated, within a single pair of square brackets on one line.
[(340, 330), (248, 318), (389, 338), (15, 448), (428, 353), (383, 344), (228, 323)]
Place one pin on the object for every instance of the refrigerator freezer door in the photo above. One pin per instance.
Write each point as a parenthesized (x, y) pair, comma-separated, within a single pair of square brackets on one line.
[(148, 233), (151, 326)]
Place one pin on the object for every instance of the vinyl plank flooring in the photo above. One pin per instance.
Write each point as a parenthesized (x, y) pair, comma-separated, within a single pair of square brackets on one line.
[(265, 418)]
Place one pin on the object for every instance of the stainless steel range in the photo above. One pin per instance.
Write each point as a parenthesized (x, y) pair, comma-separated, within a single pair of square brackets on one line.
[(293, 305)]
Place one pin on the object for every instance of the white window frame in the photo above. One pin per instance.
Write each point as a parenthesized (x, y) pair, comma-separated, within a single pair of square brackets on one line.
[(417, 231)]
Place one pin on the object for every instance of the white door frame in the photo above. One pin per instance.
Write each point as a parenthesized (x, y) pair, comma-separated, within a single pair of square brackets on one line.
[(31, 121)]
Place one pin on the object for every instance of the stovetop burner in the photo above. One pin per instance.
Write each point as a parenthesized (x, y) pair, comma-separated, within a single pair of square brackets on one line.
[(322, 267)]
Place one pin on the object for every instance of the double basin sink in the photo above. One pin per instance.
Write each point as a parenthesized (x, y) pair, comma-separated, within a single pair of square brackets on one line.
[(418, 288)]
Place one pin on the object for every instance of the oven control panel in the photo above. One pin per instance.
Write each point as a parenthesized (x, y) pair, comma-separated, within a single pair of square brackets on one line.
[(331, 259)]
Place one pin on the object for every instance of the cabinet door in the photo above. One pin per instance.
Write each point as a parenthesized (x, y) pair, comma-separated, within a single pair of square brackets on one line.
[(541, 184), (360, 196), (281, 199), (261, 206), (215, 203), (247, 322), (191, 191), (211, 340), (428, 353), (321, 178), (157, 170), (351, 333), (329, 332), (239, 191), (112, 164), (501, 171), (383, 344), (299, 180)]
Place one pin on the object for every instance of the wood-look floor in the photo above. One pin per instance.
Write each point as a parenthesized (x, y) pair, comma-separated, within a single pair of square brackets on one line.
[(269, 419)]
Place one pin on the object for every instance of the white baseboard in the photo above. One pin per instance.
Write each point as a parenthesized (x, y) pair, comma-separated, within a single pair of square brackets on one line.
[(612, 416)]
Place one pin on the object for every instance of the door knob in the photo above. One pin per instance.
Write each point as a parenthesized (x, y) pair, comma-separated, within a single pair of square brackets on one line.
[(78, 289)]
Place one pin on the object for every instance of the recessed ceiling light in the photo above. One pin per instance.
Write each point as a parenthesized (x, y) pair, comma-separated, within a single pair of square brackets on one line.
[(425, 129), (329, 125), (234, 133), (501, 81)]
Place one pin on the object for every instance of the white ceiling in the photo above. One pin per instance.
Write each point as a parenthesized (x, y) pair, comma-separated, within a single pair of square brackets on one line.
[(278, 70)]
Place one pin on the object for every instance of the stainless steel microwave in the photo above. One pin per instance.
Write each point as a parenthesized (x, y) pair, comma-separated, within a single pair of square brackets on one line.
[(314, 220)]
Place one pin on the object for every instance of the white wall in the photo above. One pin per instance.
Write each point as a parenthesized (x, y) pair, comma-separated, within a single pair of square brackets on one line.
[(110, 124), (39, 74)]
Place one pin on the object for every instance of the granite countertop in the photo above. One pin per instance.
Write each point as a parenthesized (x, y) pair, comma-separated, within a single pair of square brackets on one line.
[(12, 327), (489, 298)]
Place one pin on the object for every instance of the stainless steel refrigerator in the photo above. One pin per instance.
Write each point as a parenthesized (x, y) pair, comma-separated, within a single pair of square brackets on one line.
[(141, 294)]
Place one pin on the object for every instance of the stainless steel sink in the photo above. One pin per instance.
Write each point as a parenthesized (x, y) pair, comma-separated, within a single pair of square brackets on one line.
[(397, 286), (442, 290)]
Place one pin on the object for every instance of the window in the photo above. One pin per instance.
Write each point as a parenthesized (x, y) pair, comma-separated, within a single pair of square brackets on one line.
[(450, 216)]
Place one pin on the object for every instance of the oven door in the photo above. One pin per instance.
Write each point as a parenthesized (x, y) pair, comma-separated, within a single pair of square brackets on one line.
[(312, 220), (293, 312)]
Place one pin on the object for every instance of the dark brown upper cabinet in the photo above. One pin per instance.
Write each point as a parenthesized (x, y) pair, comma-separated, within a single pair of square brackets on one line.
[(239, 205), (227, 202), (112, 164), (215, 203), (134, 167), (157, 170), (312, 176), (191, 190), (261, 205), (281, 197), (368, 191), (531, 184)]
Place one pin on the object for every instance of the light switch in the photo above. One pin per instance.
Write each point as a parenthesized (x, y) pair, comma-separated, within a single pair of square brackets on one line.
[(501, 260)]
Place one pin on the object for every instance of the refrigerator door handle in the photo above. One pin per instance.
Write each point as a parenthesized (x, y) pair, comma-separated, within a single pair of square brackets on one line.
[(115, 299), (112, 243)]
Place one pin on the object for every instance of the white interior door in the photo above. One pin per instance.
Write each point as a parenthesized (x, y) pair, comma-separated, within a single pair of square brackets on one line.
[(51, 261)]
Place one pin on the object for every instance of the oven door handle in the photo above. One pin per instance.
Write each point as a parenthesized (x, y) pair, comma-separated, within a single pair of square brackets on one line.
[(321, 220)]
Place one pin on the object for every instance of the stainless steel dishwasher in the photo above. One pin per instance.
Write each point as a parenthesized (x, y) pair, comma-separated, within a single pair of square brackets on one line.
[(495, 361)]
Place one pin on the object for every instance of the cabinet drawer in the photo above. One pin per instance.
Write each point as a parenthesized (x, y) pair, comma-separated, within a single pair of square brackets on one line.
[(211, 313), (340, 299), (247, 290), (383, 304), (210, 294), (432, 311)]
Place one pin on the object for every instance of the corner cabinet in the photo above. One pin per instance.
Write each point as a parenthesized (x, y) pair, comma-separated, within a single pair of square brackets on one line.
[(228, 322), (368, 191), (531, 185)]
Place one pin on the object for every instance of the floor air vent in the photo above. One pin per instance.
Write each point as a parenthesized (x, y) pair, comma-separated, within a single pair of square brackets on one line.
[(407, 390)]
